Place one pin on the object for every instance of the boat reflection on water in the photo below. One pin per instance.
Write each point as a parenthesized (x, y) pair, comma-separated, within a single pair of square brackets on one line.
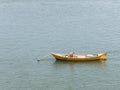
[(99, 62), (74, 68)]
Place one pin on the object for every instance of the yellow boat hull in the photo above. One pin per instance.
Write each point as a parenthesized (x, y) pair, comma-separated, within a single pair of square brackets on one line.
[(79, 57)]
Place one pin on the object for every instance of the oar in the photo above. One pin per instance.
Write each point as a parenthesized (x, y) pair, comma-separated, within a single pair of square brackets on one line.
[(39, 59)]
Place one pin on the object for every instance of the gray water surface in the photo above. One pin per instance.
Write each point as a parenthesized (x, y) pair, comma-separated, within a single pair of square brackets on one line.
[(30, 30)]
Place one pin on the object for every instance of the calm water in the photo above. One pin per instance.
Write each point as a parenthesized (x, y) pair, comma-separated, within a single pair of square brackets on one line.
[(29, 30)]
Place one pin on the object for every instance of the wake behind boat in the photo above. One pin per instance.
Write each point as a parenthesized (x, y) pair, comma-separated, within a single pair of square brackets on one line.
[(79, 57)]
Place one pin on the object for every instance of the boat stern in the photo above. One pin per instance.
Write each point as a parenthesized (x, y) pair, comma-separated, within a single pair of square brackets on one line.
[(103, 56)]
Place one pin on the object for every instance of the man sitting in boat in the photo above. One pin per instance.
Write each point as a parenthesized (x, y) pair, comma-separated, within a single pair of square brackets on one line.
[(71, 54)]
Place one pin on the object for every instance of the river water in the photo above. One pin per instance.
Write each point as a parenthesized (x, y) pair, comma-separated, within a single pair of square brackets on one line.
[(30, 30)]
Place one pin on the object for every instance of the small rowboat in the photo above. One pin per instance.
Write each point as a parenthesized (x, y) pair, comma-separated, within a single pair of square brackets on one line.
[(80, 57)]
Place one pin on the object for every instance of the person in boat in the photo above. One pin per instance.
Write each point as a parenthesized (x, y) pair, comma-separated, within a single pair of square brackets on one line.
[(71, 54)]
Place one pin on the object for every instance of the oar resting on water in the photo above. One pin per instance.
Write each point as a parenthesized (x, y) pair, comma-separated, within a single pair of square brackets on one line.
[(42, 58)]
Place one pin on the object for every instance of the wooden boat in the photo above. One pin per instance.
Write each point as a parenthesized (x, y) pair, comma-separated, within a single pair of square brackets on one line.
[(80, 57)]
